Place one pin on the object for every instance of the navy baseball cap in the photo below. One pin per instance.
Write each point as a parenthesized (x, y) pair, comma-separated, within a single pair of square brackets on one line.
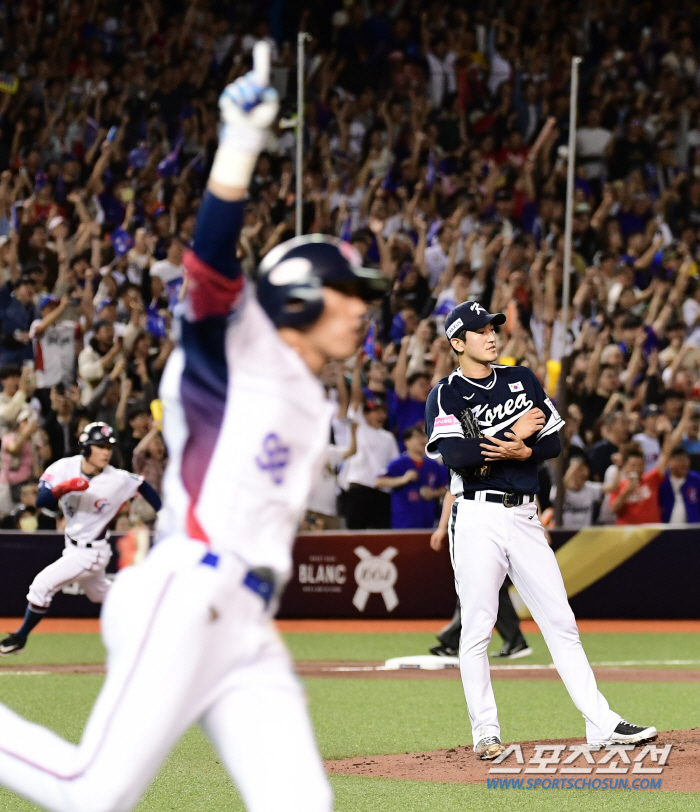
[(470, 316)]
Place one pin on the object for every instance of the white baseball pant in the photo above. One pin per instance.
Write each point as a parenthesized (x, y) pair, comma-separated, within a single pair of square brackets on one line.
[(487, 542), (186, 642), (83, 564)]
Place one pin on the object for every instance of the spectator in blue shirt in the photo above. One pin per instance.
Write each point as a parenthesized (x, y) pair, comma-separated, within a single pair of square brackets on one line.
[(679, 494), (407, 407), (416, 482), (17, 312)]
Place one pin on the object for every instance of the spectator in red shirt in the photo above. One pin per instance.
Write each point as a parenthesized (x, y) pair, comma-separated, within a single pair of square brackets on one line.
[(636, 498)]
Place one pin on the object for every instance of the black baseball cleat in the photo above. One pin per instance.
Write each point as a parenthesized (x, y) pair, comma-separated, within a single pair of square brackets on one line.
[(513, 651), (627, 733), (12, 645), (444, 651)]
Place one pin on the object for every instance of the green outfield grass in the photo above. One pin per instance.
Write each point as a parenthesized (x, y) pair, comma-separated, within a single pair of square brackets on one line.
[(657, 650), (365, 716), (59, 649), (386, 716)]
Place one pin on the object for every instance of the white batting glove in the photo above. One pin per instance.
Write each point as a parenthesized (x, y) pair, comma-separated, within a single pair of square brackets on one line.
[(248, 107)]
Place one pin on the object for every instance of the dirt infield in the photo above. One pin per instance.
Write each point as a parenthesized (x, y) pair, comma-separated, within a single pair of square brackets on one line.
[(364, 670), (680, 773), (93, 668), (55, 625), (58, 625)]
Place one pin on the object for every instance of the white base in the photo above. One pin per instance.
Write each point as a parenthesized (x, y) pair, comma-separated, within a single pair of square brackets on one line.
[(427, 662)]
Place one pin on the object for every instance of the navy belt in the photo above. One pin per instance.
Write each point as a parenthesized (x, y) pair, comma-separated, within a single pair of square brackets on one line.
[(506, 499), (87, 544), (260, 580)]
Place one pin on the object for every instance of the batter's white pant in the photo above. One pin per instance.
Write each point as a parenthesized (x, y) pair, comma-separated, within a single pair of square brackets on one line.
[(186, 642), (488, 541), (83, 564)]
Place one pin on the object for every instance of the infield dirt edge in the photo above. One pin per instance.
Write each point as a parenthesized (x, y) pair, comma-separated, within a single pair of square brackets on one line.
[(460, 765)]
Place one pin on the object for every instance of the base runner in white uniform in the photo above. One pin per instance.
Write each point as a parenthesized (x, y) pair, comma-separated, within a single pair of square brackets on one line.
[(188, 632), (91, 493), (492, 424)]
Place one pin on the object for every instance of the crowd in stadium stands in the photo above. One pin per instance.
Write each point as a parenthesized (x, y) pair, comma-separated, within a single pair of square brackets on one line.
[(436, 142)]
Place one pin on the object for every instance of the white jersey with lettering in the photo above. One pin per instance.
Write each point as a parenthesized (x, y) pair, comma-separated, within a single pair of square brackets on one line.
[(244, 448), (497, 402), (89, 512)]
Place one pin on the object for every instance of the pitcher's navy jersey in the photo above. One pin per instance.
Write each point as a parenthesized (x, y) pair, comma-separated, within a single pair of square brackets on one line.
[(497, 402)]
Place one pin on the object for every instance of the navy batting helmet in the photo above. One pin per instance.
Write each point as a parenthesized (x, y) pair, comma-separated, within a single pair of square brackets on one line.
[(292, 277), (95, 434)]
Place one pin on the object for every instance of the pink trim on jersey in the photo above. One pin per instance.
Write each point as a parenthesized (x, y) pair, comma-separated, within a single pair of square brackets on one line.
[(448, 420), (209, 293)]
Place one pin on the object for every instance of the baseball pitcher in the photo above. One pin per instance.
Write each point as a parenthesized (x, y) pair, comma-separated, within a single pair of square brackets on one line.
[(492, 424)]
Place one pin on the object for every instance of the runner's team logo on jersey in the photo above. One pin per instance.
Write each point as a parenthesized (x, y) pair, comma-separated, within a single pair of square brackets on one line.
[(274, 458)]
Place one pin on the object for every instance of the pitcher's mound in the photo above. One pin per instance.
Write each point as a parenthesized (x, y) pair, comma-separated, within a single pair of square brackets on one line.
[(680, 773)]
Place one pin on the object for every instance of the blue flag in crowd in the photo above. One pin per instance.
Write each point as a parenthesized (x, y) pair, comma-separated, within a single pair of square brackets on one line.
[(448, 304), (432, 231), (346, 230), (90, 132), (122, 241), (156, 324), (389, 184), (138, 157), (398, 325), (169, 167), (370, 345), (430, 174)]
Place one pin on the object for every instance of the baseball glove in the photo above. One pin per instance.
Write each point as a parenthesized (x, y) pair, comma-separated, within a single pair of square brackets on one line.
[(470, 427)]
